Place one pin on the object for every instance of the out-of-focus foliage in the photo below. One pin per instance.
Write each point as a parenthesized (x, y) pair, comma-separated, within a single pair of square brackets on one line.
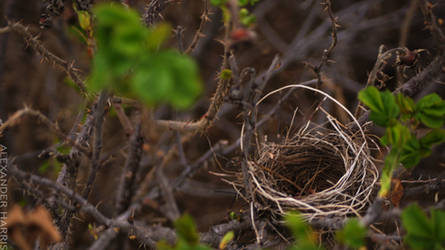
[(353, 234), (129, 60), (423, 232), (305, 238)]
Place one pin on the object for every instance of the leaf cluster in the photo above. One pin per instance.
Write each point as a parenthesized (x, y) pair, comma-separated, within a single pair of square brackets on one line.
[(130, 62), (402, 119), (423, 232)]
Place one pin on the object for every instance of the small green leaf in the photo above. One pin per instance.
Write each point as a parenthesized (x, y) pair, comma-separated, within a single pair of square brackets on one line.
[(158, 35), (391, 163), (226, 74), (186, 230), (411, 153), (304, 237), (226, 15), (353, 234), (84, 19), (430, 120), (227, 238), (406, 104), (396, 136), (431, 111)]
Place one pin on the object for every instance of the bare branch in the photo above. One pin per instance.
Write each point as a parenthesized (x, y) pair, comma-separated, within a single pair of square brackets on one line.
[(47, 55)]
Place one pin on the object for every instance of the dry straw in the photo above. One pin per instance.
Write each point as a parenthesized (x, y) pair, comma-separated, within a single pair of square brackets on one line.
[(320, 171)]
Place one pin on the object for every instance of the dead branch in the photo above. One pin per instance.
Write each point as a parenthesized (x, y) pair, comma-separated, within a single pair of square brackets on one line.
[(198, 33), (127, 182), (48, 56), (15, 118), (99, 113)]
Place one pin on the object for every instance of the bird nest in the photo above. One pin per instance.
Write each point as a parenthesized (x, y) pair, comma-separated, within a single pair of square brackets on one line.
[(320, 171)]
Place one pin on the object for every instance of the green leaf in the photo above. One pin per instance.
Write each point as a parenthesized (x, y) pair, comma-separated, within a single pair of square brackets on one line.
[(391, 163), (371, 97), (245, 2), (226, 74), (382, 104), (438, 220), (406, 104), (218, 3), (129, 62), (431, 111), (84, 19), (227, 238), (415, 222), (304, 237), (435, 136), (186, 230), (422, 232), (158, 35), (353, 234), (396, 136), (411, 153)]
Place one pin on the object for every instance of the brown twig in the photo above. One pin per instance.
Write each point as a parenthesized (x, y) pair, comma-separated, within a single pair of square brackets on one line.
[(126, 187), (222, 89), (404, 28), (198, 34), (431, 23), (327, 52), (123, 118), (48, 56), (99, 113), (145, 235), (5, 29), (15, 118)]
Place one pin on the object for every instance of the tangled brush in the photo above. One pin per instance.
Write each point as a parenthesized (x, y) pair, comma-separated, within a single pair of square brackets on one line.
[(319, 171)]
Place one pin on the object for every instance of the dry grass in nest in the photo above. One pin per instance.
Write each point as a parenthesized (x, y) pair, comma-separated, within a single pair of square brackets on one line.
[(320, 171)]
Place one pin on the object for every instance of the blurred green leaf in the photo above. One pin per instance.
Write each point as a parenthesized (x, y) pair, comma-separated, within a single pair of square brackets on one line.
[(353, 234), (411, 153), (406, 104), (158, 35), (431, 110), (246, 18), (84, 19), (245, 2), (186, 230), (396, 136), (422, 232), (129, 62), (218, 3), (391, 163), (227, 238), (435, 136), (303, 234)]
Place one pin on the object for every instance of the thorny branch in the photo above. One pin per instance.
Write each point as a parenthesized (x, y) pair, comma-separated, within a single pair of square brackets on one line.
[(127, 182), (15, 118), (47, 55), (198, 34)]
